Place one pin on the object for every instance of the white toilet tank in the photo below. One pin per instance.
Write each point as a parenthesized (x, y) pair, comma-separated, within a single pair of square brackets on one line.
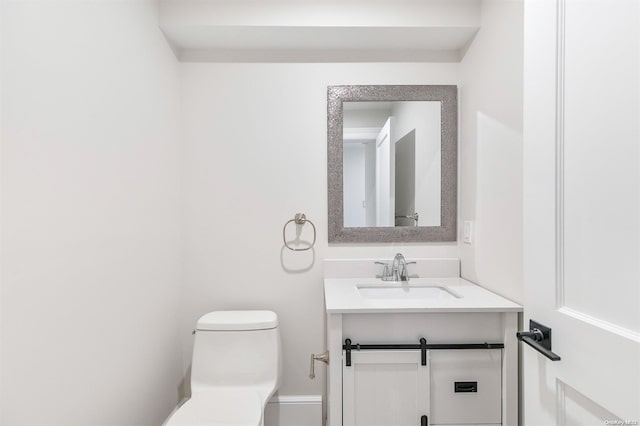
[(237, 349)]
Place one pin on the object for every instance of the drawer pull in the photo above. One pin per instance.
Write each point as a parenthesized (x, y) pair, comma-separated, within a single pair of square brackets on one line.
[(424, 420), (465, 387)]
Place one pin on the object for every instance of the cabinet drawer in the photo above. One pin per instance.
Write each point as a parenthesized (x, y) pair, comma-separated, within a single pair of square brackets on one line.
[(466, 386)]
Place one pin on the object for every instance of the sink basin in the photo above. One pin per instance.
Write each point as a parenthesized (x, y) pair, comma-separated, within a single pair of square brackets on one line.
[(406, 292)]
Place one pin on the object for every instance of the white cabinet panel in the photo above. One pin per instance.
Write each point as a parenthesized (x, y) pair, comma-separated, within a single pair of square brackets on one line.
[(466, 386), (385, 388)]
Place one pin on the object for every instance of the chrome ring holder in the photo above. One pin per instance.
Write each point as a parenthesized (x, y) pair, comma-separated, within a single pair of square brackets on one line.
[(299, 219)]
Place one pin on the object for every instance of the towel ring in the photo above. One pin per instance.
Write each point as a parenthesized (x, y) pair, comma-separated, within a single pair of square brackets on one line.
[(299, 219)]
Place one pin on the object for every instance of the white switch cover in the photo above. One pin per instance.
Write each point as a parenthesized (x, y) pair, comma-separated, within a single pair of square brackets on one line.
[(468, 232)]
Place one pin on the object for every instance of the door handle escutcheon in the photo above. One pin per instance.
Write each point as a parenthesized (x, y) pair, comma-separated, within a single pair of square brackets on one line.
[(539, 338)]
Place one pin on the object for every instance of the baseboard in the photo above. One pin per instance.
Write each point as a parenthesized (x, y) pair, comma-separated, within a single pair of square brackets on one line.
[(287, 410), (294, 410)]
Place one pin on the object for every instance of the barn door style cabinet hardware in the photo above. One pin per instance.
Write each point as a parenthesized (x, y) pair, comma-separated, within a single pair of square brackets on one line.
[(423, 347)]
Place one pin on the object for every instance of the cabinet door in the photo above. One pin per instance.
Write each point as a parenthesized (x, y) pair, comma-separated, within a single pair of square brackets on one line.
[(466, 387), (384, 388)]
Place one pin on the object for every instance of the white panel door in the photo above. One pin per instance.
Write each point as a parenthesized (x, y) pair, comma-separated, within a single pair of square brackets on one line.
[(385, 182), (581, 210), (384, 388), (405, 180)]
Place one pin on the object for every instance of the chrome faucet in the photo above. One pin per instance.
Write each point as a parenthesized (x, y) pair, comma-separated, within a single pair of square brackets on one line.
[(399, 268), (398, 271)]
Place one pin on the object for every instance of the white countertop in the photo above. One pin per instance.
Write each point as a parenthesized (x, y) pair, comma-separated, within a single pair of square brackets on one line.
[(342, 297)]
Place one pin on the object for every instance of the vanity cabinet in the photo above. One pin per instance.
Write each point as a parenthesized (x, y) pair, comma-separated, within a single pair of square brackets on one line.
[(391, 387), (439, 346)]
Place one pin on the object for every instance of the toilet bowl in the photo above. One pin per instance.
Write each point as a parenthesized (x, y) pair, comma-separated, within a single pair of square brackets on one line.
[(236, 367), (219, 408)]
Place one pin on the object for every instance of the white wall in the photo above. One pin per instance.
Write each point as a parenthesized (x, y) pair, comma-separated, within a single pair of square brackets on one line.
[(490, 102), (90, 215), (256, 154)]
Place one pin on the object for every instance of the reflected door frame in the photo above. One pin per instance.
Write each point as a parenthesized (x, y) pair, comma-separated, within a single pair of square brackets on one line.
[(385, 176)]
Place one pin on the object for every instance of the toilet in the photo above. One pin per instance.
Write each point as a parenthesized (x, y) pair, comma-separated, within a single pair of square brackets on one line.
[(236, 368)]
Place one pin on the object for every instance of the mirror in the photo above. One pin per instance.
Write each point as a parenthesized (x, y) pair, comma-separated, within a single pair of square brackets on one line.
[(392, 168)]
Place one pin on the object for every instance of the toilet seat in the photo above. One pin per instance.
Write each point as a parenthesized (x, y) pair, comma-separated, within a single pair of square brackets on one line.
[(219, 407)]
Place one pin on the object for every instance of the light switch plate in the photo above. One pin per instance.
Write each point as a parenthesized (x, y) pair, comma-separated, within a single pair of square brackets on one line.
[(467, 236)]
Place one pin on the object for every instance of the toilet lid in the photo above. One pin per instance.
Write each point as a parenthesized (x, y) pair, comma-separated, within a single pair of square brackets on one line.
[(223, 407), (237, 320)]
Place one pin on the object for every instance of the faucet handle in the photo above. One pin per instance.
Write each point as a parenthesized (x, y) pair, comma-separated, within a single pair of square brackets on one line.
[(385, 270), (404, 273)]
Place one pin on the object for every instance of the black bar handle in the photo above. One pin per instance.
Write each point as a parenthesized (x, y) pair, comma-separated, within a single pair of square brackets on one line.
[(424, 421), (347, 344), (538, 347), (539, 338), (423, 351)]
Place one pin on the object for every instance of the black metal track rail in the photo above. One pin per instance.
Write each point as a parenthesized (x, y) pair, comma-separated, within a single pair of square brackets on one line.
[(423, 346)]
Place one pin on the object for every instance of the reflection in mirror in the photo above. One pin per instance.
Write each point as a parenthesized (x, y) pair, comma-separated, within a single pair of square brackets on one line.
[(391, 163)]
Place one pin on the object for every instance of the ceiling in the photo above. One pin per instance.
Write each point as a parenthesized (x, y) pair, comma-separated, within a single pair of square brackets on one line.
[(324, 31)]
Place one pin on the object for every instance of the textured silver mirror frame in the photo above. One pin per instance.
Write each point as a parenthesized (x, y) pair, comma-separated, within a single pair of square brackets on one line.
[(447, 230)]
